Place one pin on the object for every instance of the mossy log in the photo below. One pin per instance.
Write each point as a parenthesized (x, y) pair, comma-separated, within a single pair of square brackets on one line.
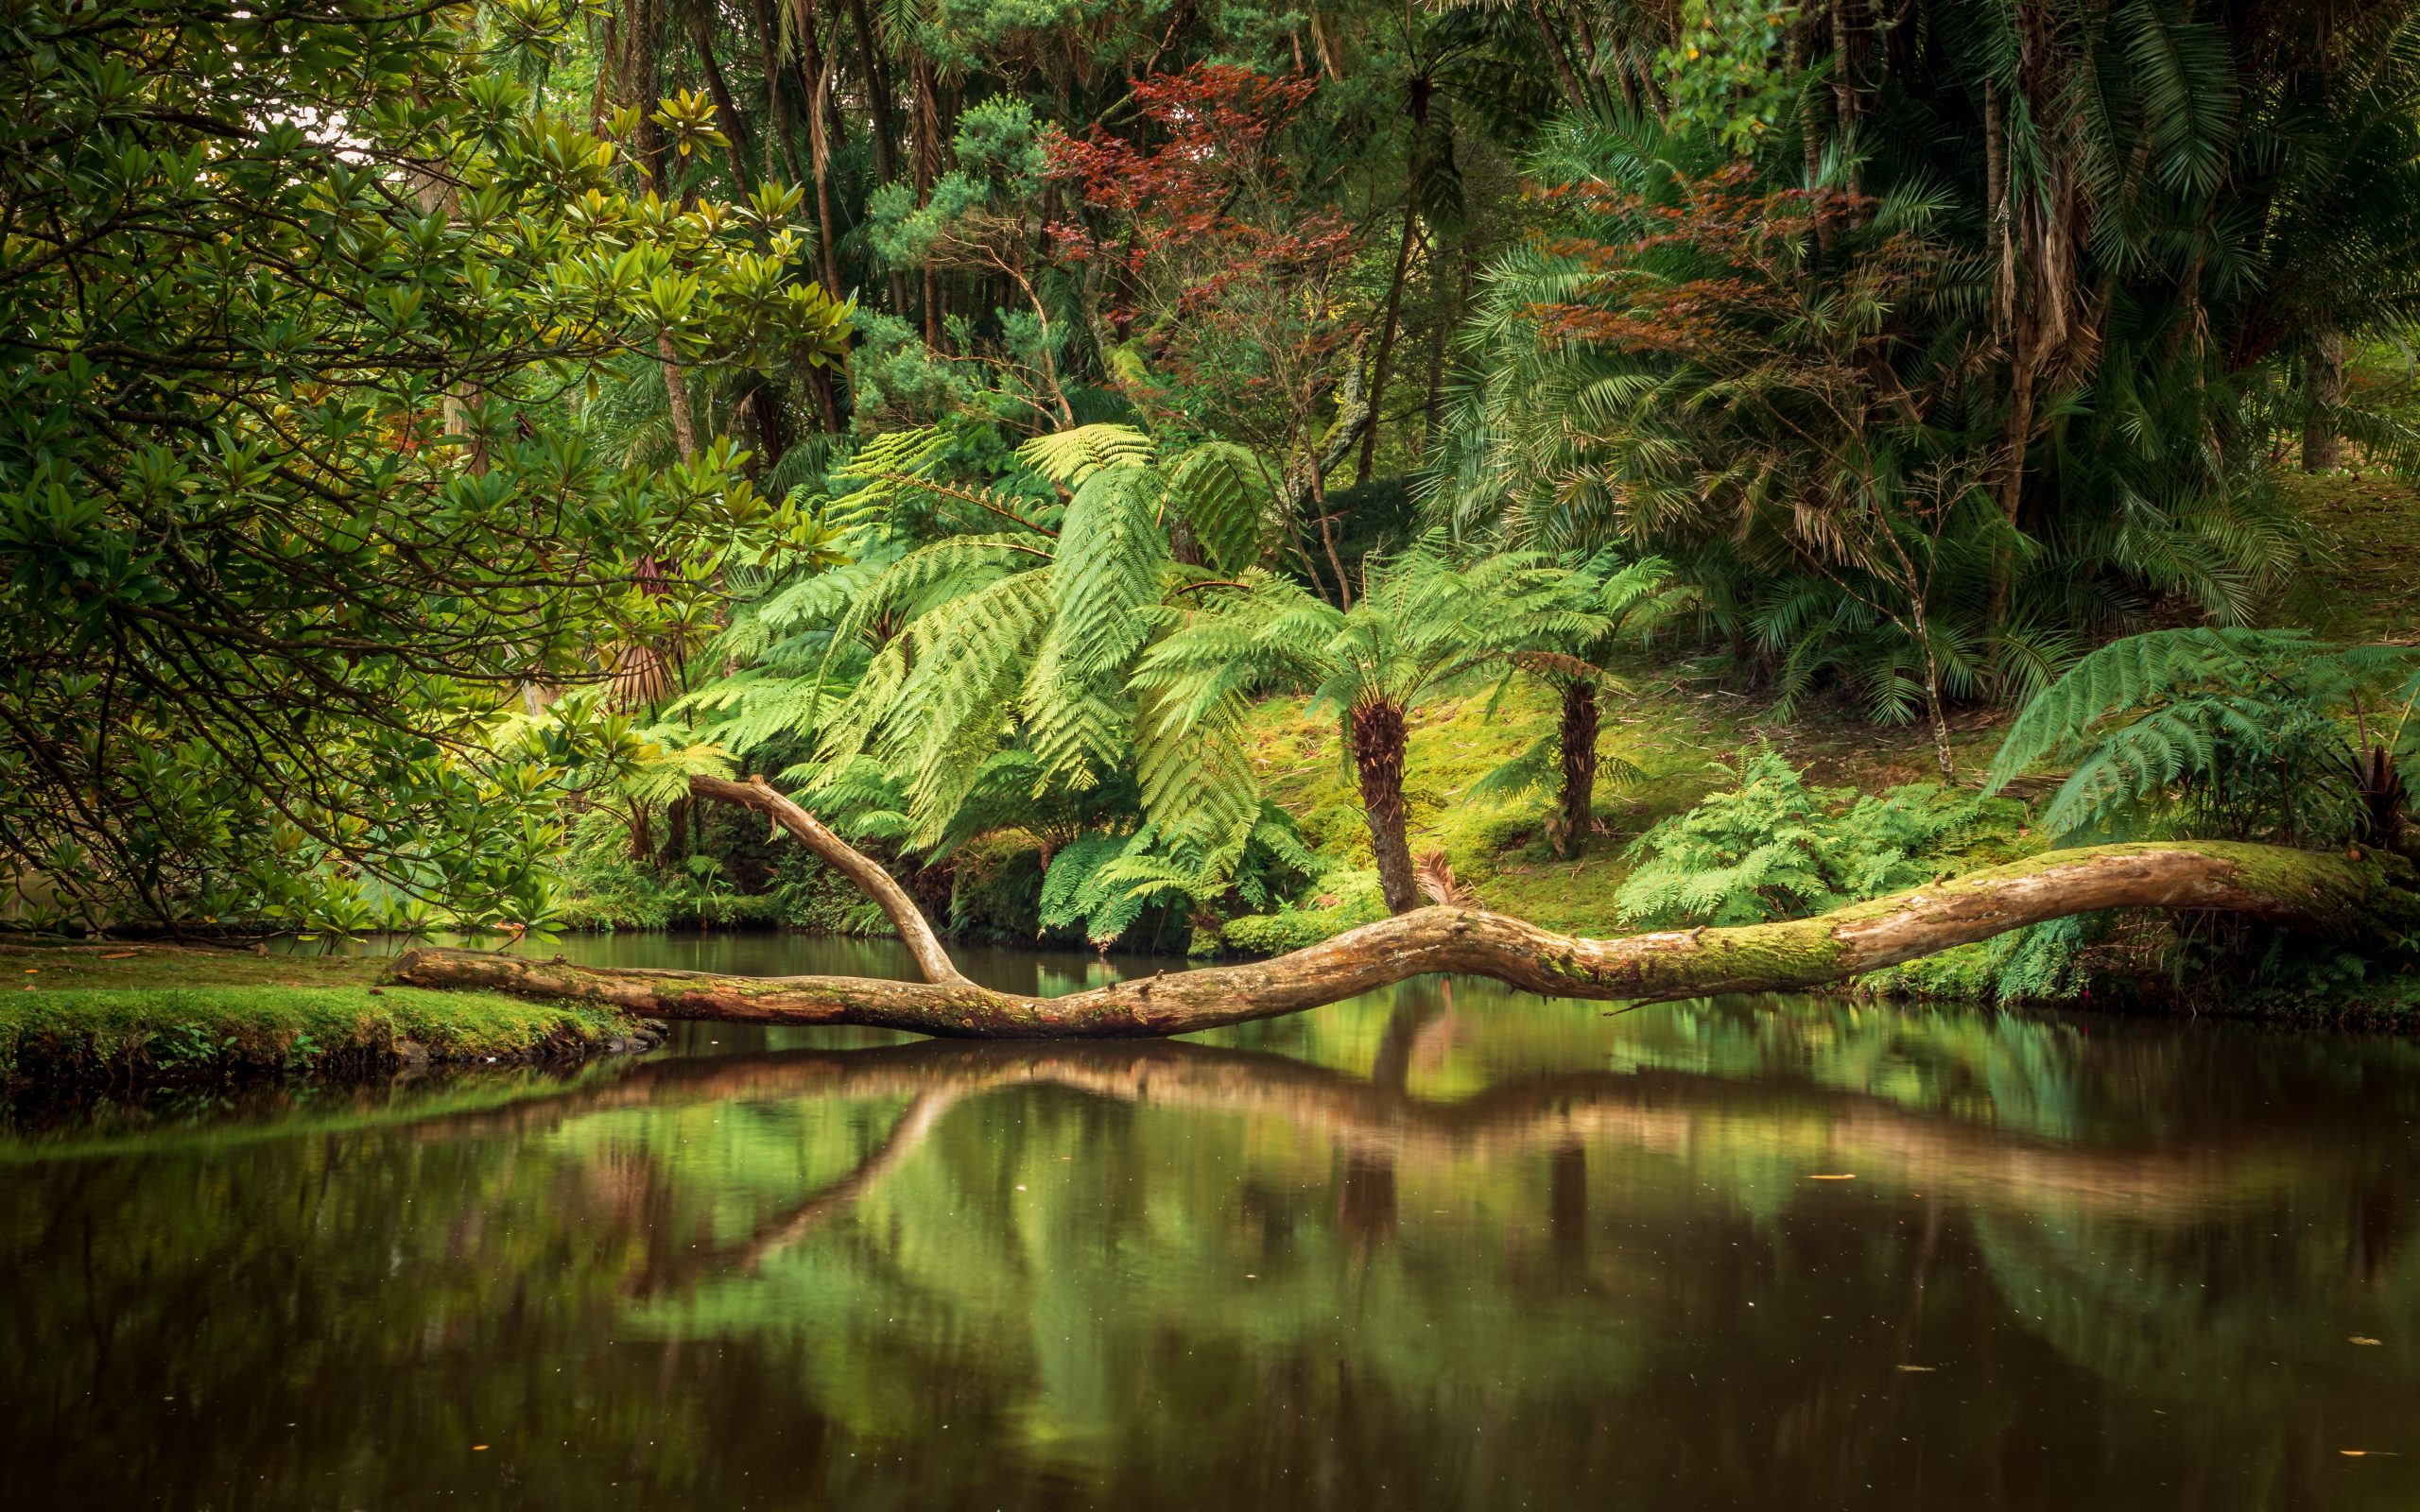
[(2289, 886)]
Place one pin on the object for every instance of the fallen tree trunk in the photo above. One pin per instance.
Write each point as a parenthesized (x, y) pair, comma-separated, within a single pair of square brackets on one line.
[(2259, 881)]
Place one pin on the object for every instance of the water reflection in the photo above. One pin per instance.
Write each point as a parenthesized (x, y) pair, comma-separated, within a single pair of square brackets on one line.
[(1442, 1247)]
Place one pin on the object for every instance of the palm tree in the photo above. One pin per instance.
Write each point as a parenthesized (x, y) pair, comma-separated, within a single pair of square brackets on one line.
[(1423, 627), (1619, 602)]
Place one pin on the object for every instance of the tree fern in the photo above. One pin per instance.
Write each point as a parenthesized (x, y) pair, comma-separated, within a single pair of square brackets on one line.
[(1103, 579), (954, 707), (1070, 457), (1222, 493), (2229, 732)]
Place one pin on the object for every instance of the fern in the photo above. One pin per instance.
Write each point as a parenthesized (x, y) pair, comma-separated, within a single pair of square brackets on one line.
[(954, 706), (1069, 458), (2225, 732), (1774, 848), (1223, 494), (1103, 579)]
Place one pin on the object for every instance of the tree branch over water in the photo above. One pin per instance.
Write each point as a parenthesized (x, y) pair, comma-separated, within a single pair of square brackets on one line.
[(2289, 886)]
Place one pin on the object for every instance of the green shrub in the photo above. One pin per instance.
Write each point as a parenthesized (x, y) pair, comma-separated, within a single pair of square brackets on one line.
[(809, 894), (1345, 900)]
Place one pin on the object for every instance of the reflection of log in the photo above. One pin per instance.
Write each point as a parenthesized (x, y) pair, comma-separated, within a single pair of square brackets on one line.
[(906, 1138), (1661, 1111), (2257, 880)]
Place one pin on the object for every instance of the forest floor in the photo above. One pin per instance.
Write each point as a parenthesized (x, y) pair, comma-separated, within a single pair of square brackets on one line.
[(124, 1013), (1680, 722)]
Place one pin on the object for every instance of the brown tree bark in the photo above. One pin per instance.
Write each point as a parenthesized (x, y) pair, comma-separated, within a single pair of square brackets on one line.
[(2322, 441), (737, 138), (1578, 736), (1387, 326), (676, 396), (2328, 891), (865, 873), (815, 79), (1378, 740), (1550, 37)]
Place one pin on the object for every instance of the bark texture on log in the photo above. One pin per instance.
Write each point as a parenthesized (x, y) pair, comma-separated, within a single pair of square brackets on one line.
[(2260, 881), (862, 870)]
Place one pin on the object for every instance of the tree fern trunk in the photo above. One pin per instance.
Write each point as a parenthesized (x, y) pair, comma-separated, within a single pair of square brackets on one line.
[(1378, 740), (1579, 738)]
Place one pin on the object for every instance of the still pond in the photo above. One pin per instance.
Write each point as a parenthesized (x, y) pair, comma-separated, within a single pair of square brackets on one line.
[(1443, 1246)]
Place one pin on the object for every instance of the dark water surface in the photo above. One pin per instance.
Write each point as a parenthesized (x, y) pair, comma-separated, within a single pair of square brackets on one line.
[(1442, 1247)]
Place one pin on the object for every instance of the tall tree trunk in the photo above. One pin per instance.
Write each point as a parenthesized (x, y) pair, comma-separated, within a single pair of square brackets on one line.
[(1844, 86), (925, 166), (676, 395), (1378, 740), (2323, 441), (737, 138), (768, 53), (1386, 347), (814, 72), (643, 87), (1442, 316), (885, 125), (878, 77), (1578, 739), (1550, 37)]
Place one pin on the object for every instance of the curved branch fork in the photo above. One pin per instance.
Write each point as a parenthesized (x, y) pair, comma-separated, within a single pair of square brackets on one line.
[(2301, 888)]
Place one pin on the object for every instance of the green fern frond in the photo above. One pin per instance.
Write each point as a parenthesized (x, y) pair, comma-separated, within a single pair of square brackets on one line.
[(1223, 494), (1070, 457)]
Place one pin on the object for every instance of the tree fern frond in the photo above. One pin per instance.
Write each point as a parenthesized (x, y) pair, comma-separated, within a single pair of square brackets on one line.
[(1070, 457), (1222, 493)]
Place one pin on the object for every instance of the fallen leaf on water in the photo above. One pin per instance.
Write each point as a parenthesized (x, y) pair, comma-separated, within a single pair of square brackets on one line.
[(475, 1448), (1845, 1176), (2360, 1339), (1917, 1369)]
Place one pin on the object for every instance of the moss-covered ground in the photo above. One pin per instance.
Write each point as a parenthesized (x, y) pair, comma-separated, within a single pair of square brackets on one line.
[(1680, 718), (1677, 725), (148, 1012)]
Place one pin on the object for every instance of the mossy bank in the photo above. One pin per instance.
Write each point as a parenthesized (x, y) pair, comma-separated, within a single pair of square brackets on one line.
[(140, 1013)]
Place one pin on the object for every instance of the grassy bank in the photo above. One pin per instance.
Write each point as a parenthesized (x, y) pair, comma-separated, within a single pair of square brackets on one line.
[(133, 1013)]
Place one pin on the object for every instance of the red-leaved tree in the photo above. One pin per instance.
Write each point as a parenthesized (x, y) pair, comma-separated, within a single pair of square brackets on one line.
[(1225, 284)]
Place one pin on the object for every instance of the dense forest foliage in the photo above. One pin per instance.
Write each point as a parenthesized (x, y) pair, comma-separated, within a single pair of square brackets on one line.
[(433, 433)]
